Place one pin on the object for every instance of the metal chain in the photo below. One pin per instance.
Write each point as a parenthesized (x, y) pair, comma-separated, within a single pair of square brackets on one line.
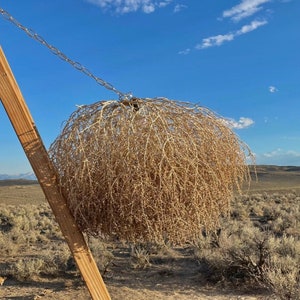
[(62, 56)]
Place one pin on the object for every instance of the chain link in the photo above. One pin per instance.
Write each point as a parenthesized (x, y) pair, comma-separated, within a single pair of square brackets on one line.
[(62, 56)]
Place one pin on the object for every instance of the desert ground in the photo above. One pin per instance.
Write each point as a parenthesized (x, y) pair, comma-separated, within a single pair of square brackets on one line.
[(240, 262)]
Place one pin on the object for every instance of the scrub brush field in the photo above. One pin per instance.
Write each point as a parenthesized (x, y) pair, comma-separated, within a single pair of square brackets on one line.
[(254, 254)]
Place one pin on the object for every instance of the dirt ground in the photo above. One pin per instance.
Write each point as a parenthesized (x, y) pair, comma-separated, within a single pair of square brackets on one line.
[(175, 276), (57, 291), (178, 281)]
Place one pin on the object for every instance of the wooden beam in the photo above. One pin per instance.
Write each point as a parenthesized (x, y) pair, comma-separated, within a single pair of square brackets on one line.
[(37, 155)]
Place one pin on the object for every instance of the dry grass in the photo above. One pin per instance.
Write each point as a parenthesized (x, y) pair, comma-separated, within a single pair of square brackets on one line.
[(149, 169), (2, 280)]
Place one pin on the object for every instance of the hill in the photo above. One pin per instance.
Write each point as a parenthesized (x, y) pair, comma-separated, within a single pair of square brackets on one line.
[(273, 178), (28, 176), (12, 182)]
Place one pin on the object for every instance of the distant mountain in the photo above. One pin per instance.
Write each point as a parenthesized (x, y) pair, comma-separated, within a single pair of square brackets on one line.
[(27, 176), (273, 168)]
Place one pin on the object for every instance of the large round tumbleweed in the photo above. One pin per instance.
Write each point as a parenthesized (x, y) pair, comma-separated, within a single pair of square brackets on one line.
[(148, 169)]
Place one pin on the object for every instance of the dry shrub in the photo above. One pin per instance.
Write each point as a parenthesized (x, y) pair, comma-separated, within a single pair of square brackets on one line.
[(27, 269), (148, 169), (103, 255), (281, 273)]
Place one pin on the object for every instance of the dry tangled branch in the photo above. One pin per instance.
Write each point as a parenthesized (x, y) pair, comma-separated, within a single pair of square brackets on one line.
[(148, 169)]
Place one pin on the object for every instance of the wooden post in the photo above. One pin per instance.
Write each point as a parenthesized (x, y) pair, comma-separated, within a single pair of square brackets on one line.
[(37, 155)]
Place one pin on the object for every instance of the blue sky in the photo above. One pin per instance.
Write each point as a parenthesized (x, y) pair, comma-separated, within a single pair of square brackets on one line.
[(239, 58)]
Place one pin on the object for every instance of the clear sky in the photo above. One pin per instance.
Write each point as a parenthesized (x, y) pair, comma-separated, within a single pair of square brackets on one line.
[(240, 58)]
